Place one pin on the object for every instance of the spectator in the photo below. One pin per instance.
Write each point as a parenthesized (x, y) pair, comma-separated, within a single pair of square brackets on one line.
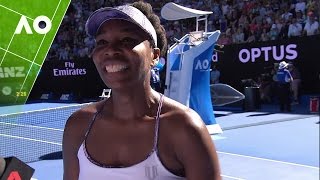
[(155, 80), (225, 7), (227, 14), (300, 18), (83, 51), (251, 38), (273, 34), (300, 6), (238, 37), (216, 10), (214, 75), (265, 25), (312, 26), (279, 24), (313, 5), (242, 20), (286, 16), (283, 34), (63, 54), (223, 24), (264, 36), (295, 28), (224, 39)]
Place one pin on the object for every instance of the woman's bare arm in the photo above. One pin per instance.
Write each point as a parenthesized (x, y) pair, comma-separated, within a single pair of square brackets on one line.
[(195, 149), (69, 151), (74, 132)]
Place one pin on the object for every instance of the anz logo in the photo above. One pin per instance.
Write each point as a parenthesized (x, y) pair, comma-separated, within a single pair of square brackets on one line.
[(202, 65), (9, 72)]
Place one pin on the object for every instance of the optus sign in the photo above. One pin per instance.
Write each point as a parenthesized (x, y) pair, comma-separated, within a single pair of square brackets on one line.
[(278, 53)]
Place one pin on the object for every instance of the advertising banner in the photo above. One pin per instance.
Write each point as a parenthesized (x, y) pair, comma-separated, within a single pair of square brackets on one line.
[(78, 78), (251, 60), (200, 97)]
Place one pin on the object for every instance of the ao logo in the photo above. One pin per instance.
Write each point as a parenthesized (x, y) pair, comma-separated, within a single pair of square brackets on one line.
[(23, 23), (204, 65)]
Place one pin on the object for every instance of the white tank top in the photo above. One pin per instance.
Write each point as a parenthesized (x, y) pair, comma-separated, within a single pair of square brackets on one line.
[(149, 169)]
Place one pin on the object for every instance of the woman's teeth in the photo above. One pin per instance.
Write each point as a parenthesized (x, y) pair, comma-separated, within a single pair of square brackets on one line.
[(115, 68)]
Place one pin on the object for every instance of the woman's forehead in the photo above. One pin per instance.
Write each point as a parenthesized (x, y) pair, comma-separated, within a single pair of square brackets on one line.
[(122, 26)]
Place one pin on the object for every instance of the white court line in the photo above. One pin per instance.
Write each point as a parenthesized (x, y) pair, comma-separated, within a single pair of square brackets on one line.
[(31, 126), (231, 177), (6, 50), (59, 23), (270, 160), (16, 12), (17, 56), (30, 139), (13, 33), (37, 53)]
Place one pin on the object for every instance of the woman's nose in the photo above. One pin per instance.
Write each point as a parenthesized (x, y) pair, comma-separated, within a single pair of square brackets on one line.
[(112, 49)]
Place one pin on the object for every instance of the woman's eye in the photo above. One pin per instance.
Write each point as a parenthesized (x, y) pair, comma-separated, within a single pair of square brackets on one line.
[(102, 42), (129, 41)]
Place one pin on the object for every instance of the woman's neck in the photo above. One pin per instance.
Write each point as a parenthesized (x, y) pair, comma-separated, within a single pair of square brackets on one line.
[(134, 104)]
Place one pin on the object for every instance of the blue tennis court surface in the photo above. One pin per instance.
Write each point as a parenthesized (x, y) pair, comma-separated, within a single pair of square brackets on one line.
[(284, 150), (260, 145)]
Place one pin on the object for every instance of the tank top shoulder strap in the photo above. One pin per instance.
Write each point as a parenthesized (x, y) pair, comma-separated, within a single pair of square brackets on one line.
[(155, 145), (94, 118)]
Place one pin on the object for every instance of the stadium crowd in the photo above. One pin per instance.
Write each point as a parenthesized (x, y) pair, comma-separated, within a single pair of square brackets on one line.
[(240, 21)]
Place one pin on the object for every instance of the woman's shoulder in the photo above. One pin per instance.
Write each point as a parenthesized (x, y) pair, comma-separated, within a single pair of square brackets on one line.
[(176, 116), (78, 124), (81, 118), (172, 106), (183, 128), (87, 110)]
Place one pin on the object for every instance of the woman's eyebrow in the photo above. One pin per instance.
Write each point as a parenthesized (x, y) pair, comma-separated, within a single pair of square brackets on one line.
[(131, 29), (134, 30)]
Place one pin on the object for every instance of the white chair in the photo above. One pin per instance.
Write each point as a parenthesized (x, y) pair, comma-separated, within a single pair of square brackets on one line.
[(106, 93)]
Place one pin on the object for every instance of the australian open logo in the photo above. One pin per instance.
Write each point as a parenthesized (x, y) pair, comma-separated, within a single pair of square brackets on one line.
[(151, 172), (41, 24), (202, 65)]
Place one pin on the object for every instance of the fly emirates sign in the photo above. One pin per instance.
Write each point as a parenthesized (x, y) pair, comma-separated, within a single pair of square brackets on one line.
[(69, 70)]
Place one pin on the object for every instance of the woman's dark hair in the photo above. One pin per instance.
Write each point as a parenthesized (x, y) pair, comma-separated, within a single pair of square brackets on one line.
[(146, 9)]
